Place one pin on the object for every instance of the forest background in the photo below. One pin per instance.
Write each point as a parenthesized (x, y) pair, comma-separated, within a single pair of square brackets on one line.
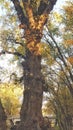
[(57, 63)]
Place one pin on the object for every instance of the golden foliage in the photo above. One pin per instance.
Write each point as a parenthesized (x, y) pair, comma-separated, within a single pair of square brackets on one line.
[(69, 10), (70, 59), (57, 17), (7, 5), (36, 48), (20, 49), (69, 42), (42, 21), (10, 95), (47, 109), (69, 15), (33, 33), (30, 16), (48, 54)]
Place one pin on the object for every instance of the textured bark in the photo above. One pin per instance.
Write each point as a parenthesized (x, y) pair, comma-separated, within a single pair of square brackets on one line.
[(32, 23), (31, 111), (2, 118)]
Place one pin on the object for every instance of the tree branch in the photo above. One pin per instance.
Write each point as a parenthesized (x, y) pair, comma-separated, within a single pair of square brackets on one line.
[(62, 57), (15, 41), (29, 12), (46, 7), (13, 53), (23, 19), (44, 12)]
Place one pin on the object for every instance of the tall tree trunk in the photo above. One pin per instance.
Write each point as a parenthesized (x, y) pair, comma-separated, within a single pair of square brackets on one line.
[(31, 111), (2, 118), (32, 23)]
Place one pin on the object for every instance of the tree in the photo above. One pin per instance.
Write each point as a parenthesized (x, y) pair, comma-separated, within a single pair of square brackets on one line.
[(10, 97), (59, 74), (3, 117), (33, 16), (61, 50)]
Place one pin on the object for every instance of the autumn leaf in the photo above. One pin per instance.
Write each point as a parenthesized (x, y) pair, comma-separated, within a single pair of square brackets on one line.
[(70, 59), (69, 42)]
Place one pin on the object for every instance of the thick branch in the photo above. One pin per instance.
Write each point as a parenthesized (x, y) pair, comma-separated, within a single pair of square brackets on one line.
[(46, 7), (42, 21), (51, 5), (29, 12), (13, 53), (44, 12), (30, 17), (23, 19)]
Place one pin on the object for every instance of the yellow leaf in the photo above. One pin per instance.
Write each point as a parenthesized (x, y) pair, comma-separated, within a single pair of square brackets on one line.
[(57, 17), (70, 59), (69, 42)]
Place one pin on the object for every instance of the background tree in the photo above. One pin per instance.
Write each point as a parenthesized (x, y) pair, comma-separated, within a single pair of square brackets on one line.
[(59, 74), (11, 98)]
